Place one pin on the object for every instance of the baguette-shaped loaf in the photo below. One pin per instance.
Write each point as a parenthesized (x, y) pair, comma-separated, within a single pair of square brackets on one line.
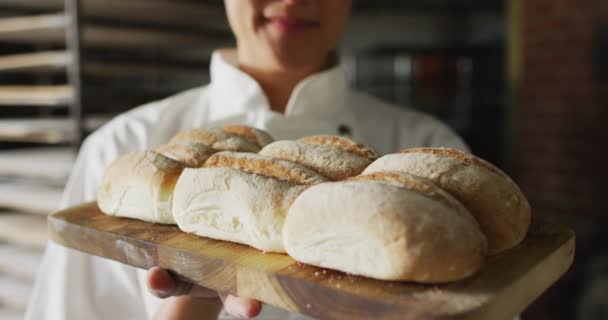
[(229, 138), (140, 185), (497, 203), (389, 226), (240, 197), (343, 144), (257, 136), (193, 155), (336, 158), (263, 165)]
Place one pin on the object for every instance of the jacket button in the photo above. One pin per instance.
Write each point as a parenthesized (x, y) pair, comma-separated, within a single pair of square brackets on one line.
[(345, 130)]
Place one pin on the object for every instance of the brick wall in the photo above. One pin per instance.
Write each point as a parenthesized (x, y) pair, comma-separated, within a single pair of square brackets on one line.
[(560, 125), (559, 107)]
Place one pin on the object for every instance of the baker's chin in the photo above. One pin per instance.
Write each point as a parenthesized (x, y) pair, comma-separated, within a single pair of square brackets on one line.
[(297, 56)]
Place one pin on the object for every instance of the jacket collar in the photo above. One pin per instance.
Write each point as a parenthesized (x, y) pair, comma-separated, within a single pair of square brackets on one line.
[(234, 92)]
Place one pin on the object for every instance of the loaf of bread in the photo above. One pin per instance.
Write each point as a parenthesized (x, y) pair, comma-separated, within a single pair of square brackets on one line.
[(497, 203), (388, 226), (240, 197), (140, 185), (336, 158), (228, 138), (193, 147), (192, 155)]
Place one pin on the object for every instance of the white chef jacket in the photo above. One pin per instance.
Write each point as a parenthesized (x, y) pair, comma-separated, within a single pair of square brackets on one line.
[(74, 285)]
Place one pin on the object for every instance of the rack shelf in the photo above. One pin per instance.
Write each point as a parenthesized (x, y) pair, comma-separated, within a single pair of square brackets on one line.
[(111, 37), (15, 26), (19, 262), (46, 131), (14, 293), (36, 62), (52, 62), (192, 15), (50, 96), (23, 229)]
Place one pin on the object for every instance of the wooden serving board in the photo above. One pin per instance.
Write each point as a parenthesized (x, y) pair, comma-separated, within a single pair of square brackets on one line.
[(506, 285)]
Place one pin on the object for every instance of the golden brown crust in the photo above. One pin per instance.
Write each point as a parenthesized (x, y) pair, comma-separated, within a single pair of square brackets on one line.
[(266, 166), (344, 144), (140, 185), (408, 181), (242, 131), (466, 158), (198, 135), (193, 155), (333, 163)]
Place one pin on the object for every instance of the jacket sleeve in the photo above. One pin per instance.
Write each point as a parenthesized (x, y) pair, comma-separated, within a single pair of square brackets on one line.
[(74, 285)]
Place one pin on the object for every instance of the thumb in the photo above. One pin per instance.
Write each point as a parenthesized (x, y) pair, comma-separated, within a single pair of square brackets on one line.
[(241, 307)]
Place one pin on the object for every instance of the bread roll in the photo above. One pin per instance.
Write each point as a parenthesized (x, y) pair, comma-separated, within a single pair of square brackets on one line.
[(229, 138), (388, 226), (257, 136), (140, 185), (267, 166), (342, 143), (336, 158), (193, 155), (497, 203), (240, 197)]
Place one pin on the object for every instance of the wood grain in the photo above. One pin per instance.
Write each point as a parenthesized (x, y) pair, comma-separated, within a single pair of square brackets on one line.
[(505, 286)]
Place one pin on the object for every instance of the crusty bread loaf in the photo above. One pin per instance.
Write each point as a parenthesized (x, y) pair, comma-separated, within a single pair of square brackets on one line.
[(263, 165), (334, 157), (330, 162), (140, 185), (193, 155), (257, 136), (497, 203), (240, 197), (342, 143), (389, 226), (229, 138)]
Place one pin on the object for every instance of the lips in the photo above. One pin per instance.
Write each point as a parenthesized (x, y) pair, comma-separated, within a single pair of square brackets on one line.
[(290, 24)]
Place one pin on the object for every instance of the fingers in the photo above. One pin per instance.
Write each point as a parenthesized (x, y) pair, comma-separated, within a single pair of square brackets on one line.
[(241, 307), (160, 282), (162, 285)]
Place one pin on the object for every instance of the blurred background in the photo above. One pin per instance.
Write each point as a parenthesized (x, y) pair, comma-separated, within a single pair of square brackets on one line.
[(524, 82)]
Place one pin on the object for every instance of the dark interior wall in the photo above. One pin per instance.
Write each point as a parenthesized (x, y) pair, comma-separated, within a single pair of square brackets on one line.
[(559, 139)]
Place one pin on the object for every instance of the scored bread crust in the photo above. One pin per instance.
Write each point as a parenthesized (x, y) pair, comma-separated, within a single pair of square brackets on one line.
[(497, 203), (140, 185), (342, 143), (411, 182), (387, 227), (266, 166), (193, 155), (216, 138), (457, 154), (331, 162), (260, 137)]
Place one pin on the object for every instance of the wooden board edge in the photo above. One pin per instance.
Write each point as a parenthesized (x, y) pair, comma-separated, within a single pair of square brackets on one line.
[(543, 278), (277, 289)]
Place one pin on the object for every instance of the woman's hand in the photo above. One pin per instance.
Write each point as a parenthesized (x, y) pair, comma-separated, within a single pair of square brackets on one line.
[(193, 299)]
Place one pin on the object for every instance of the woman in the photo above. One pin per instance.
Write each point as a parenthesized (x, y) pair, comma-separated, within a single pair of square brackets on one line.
[(283, 77)]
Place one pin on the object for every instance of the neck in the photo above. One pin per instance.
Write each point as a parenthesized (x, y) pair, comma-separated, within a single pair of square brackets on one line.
[(278, 82)]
